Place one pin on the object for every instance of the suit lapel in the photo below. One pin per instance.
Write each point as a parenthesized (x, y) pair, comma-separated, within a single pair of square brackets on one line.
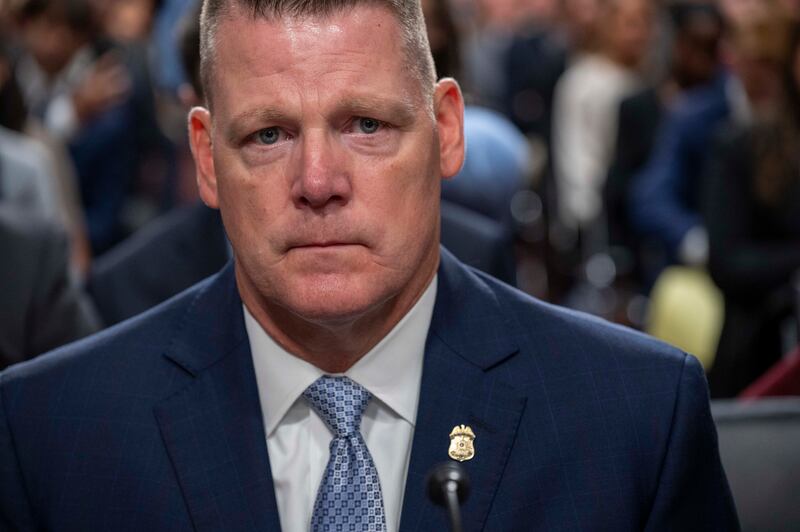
[(470, 336), (213, 427)]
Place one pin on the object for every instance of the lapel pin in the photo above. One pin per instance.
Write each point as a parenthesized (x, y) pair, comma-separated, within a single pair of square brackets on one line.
[(461, 446)]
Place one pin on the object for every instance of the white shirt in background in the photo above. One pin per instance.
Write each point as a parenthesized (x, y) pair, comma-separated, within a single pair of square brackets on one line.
[(585, 111)]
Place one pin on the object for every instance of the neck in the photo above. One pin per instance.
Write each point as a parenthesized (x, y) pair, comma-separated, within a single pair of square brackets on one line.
[(334, 345)]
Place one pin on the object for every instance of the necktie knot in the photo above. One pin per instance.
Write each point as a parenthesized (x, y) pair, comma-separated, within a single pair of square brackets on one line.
[(340, 402)]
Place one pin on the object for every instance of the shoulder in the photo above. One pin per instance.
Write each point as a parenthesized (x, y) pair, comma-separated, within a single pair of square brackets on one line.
[(559, 340), (33, 244), (646, 99), (577, 72), (123, 359), (699, 105), (584, 379), (582, 367)]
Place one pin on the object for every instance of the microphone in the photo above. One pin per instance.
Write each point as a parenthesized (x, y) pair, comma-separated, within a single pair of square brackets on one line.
[(448, 486)]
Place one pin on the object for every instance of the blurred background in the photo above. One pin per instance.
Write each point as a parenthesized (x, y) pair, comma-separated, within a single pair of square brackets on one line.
[(635, 159)]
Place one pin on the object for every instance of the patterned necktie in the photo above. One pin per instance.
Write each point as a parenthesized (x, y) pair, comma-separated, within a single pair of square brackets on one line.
[(349, 496)]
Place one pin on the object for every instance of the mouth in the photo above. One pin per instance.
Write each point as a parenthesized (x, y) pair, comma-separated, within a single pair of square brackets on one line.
[(323, 244)]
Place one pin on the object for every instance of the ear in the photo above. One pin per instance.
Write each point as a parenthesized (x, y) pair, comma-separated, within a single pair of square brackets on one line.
[(202, 150), (448, 105)]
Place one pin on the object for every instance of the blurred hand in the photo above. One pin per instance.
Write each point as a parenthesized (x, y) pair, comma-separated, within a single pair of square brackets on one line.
[(106, 85)]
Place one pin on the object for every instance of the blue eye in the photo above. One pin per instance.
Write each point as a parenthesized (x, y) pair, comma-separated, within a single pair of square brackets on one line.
[(270, 135), (368, 125)]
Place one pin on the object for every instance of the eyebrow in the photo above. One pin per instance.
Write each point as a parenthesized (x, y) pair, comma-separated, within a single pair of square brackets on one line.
[(243, 122), (401, 112)]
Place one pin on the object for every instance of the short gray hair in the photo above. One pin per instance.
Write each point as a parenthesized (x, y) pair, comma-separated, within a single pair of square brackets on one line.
[(407, 12)]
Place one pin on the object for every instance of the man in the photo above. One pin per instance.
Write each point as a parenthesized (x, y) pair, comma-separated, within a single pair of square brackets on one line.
[(187, 245), (322, 145), (697, 28), (86, 100), (665, 195)]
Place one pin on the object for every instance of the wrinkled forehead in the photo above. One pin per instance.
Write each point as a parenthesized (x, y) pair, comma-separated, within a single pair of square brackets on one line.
[(409, 42), (362, 45), (298, 65)]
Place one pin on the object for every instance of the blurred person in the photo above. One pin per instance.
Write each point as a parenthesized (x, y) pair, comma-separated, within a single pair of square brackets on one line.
[(82, 95), (39, 173), (127, 27), (174, 250), (28, 181), (498, 160), (696, 29), (580, 22), (169, 73), (585, 110), (127, 21), (664, 199), (314, 381), (485, 44), (536, 59), (42, 307), (751, 208), (62, 85)]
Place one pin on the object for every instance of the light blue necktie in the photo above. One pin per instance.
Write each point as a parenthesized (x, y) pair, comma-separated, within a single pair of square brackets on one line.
[(349, 496)]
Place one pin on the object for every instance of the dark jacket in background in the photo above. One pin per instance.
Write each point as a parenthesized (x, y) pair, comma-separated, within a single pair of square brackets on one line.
[(171, 254), (638, 123), (754, 251), (41, 306), (665, 195)]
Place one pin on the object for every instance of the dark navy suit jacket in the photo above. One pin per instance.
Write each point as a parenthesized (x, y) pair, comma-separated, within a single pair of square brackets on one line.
[(155, 425)]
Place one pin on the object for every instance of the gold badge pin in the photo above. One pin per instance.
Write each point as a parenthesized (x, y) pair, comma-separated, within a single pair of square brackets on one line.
[(461, 447)]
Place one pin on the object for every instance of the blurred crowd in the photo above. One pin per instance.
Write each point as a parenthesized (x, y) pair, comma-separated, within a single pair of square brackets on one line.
[(636, 159)]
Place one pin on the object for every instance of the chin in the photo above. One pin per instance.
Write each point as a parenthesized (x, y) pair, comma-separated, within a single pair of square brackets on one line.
[(332, 310), (332, 298)]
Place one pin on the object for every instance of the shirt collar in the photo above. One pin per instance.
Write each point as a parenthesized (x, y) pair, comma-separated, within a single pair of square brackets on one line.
[(391, 370)]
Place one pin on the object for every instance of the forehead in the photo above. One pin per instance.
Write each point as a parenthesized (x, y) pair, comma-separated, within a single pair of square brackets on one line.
[(319, 57)]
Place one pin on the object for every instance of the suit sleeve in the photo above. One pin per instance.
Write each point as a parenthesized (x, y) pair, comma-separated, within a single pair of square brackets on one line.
[(15, 509), (692, 493), (658, 205)]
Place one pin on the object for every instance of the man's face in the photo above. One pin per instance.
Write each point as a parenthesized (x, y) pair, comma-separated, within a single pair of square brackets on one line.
[(324, 157), (629, 30)]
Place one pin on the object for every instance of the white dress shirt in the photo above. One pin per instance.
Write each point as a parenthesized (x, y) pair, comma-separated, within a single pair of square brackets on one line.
[(297, 438)]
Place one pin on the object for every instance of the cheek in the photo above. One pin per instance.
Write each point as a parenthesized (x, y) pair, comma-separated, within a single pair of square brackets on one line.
[(245, 186), (402, 184), (249, 206), (404, 201)]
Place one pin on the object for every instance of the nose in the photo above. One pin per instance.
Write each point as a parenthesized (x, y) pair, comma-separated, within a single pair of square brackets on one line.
[(322, 181)]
